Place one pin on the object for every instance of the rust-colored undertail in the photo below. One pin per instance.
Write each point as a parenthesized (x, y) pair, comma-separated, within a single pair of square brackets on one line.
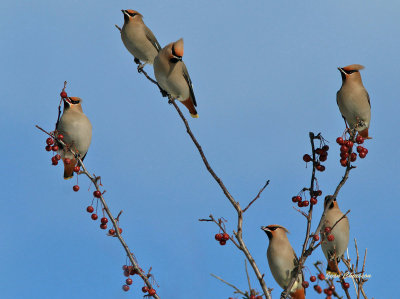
[(364, 133), (189, 104), (298, 294), (333, 267), (69, 169)]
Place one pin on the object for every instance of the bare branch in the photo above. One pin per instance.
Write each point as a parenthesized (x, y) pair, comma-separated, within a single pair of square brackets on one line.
[(258, 195), (229, 284)]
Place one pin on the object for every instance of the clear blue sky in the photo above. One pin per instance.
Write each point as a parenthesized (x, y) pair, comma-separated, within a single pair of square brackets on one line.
[(264, 75)]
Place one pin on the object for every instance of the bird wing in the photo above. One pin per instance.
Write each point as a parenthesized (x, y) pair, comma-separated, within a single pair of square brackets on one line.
[(150, 36), (189, 82), (369, 102)]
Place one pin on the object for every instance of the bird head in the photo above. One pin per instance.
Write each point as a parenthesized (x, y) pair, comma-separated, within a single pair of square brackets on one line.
[(72, 103), (350, 71), (176, 51), (333, 203), (273, 230), (130, 14)]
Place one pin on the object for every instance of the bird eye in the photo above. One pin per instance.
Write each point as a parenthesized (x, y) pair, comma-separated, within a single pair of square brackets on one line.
[(351, 71), (273, 228)]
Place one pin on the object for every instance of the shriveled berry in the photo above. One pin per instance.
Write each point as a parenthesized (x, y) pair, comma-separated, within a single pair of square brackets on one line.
[(94, 216), (222, 242), (58, 157), (319, 151), (353, 157), (359, 139), (339, 140), (111, 231), (63, 94), (97, 194), (321, 276), (128, 281), (330, 238), (305, 284), (90, 209), (77, 168), (325, 148), (323, 157), (313, 278), (50, 141), (152, 292), (218, 237), (67, 161), (306, 158), (54, 148), (343, 162), (313, 201), (125, 288), (75, 188), (225, 237), (103, 225), (321, 168), (316, 238), (145, 289)]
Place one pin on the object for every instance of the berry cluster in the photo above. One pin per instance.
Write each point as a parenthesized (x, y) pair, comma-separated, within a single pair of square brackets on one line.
[(346, 149), (51, 146), (305, 203), (327, 233), (322, 156), (129, 270), (327, 291), (222, 238)]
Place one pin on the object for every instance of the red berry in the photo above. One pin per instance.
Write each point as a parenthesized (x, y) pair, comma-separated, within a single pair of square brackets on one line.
[(353, 157), (97, 194), (321, 276), (332, 287), (104, 220), (94, 216), (128, 281), (362, 155), (54, 163), (364, 150), (75, 188), (316, 238), (344, 149), (331, 238), (252, 297), (329, 292), (77, 168), (318, 289), (359, 149), (152, 292), (259, 297), (305, 284), (339, 140), (300, 204), (306, 203), (50, 141), (145, 289), (67, 161), (349, 143), (319, 193), (319, 151), (125, 288), (90, 209), (306, 158), (323, 157), (296, 198), (321, 168), (63, 94), (54, 148), (313, 278), (325, 148), (125, 267), (120, 230), (343, 162), (313, 201), (54, 159), (48, 148), (359, 139), (111, 231), (218, 237), (60, 136), (345, 285), (58, 157), (327, 229), (126, 273), (222, 242), (225, 237), (103, 226)]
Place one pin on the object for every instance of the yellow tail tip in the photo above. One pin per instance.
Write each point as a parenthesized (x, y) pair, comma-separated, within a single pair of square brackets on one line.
[(68, 178), (194, 115)]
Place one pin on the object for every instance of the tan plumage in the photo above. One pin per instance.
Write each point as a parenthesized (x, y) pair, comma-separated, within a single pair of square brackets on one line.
[(77, 131), (334, 250), (138, 38), (282, 259), (173, 77), (353, 100)]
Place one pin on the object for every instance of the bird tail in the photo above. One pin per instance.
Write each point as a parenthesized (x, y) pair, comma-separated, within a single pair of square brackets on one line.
[(190, 106), (298, 294), (364, 133), (333, 267), (69, 169)]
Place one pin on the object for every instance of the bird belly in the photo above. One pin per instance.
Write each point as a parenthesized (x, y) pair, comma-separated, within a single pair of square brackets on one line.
[(172, 81), (137, 43), (354, 107)]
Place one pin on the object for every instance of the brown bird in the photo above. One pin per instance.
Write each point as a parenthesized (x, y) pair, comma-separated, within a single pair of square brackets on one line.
[(353, 100), (334, 250), (77, 131), (173, 77), (138, 38), (282, 260)]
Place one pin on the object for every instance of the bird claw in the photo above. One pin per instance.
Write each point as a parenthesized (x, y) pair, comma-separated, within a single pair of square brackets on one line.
[(163, 92), (137, 61)]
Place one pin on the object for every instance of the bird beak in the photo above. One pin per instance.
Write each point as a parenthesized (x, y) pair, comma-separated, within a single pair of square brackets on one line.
[(264, 228), (342, 71), (267, 231)]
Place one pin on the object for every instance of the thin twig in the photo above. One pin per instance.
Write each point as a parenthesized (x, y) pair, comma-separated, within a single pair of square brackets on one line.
[(114, 221), (258, 195), (229, 284), (247, 274)]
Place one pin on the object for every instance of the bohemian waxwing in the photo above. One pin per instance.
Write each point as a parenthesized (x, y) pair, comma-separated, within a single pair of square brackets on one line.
[(172, 75), (77, 131), (335, 249), (353, 100), (282, 259), (138, 38)]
